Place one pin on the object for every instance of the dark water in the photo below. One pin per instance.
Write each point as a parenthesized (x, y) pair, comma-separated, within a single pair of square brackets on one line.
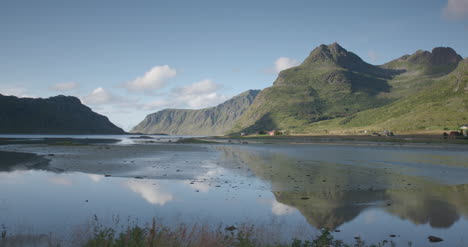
[(367, 191)]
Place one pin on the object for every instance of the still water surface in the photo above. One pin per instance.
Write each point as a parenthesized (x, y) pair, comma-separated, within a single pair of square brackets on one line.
[(367, 191)]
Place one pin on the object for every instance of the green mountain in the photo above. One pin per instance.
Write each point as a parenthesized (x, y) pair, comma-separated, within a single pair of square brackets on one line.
[(209, 121), (441, 104), (55, 115), (333, 83)]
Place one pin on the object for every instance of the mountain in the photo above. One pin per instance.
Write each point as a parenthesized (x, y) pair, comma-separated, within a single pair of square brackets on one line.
[(442, 104), (333, 83), (54, 115), (209, 121), (440, 61)]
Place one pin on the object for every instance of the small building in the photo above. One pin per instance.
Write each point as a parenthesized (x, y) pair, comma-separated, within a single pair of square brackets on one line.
[(464, 129), (271, 133), (243, 134)]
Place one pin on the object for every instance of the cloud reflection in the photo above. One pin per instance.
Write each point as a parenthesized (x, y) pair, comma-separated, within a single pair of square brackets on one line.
[(152, 194), (279, 208)]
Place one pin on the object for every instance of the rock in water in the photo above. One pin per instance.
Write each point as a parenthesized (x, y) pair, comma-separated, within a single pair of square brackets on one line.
[(434, 239)]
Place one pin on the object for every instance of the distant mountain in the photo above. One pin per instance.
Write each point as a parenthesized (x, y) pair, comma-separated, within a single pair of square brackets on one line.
[(54, 115), (209, 121)]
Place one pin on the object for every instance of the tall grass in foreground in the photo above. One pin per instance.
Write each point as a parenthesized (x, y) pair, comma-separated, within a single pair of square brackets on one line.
[(203, 236), (158, 235)]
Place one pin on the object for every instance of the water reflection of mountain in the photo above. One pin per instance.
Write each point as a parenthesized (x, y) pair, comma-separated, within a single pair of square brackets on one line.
[(10, 161), (329, 195)]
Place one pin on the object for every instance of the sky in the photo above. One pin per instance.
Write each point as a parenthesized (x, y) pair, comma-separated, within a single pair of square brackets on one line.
[(126, 59)]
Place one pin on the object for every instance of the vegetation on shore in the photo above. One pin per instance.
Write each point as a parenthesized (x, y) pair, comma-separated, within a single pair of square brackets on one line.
[(182, 235), (195, 236)]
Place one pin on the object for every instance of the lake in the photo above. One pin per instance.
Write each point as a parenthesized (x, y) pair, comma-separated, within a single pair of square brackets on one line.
[(367, 190)]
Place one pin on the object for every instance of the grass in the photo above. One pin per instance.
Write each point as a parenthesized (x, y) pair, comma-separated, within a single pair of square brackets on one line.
[(202, 236), (182, 235)]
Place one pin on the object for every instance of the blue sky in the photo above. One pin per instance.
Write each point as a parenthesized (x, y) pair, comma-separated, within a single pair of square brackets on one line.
[(126, 59)]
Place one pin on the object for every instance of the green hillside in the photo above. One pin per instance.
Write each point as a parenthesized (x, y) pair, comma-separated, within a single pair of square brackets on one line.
[(330, 83), (331, 88), (443, 104)]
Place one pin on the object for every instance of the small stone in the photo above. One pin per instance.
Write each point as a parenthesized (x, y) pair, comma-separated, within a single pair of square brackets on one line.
[(434, 239), (230, 228)]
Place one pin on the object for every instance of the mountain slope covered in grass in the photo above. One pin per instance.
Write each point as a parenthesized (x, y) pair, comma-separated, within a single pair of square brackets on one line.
[(333, 83), (443, 104)]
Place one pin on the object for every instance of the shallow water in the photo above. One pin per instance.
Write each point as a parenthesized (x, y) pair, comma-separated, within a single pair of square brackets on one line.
[(367, 191)]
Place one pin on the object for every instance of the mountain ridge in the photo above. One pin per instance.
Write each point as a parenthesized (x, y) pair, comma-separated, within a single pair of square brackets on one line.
[(214, 120), (55, 115)]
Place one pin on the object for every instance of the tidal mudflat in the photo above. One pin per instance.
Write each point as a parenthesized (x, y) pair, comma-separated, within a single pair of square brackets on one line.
[(377, 192)]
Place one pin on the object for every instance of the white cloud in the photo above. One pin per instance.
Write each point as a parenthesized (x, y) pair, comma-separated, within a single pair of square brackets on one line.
[(65, 86), (373, 56), (100, 96), (204, 93), (150, 193), (283, 63), (456, 9), (201, 87), (153, 79), (199, 94)]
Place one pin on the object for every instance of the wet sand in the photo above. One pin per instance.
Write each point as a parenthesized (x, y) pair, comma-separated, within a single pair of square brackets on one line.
[(368, 166)]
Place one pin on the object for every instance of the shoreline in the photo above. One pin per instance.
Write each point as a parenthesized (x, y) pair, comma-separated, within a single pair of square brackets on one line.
[(311, 139)]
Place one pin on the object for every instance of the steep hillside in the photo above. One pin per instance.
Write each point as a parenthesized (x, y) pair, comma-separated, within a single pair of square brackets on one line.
[(441, 105), (419, 69), (333, 83), (209, 121), (55, 115), (330, 83)]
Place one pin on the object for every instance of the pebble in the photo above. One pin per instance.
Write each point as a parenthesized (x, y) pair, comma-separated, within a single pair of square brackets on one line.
[(434, 239)]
